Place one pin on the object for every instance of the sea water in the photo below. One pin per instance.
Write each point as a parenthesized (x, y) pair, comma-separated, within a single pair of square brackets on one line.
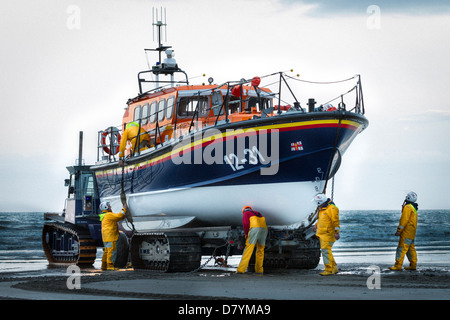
[(365, 235), (376, 229), (369, 237), (21, 241)]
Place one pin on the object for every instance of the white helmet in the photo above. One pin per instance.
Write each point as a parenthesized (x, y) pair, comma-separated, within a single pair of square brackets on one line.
[(105, 206), (320, 199), (411, 197)]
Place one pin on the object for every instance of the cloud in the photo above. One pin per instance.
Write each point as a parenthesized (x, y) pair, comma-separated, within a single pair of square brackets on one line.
[(56, 81), (409, 7), (34, 183), (428, 116)]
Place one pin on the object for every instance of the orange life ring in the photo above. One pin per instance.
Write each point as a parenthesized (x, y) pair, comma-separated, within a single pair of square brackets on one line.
[(115, 137)]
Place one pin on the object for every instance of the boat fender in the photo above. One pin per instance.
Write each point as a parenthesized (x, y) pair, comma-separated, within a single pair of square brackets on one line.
[(115, 137), (256, 81), (236, 91), (329, 107)]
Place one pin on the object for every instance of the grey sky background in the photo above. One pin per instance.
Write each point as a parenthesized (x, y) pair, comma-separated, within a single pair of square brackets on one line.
[(70, 66)]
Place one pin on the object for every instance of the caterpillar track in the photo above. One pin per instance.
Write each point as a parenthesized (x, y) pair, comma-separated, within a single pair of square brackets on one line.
[(68, 244), (301, 257), (165, 252), (306, 255)]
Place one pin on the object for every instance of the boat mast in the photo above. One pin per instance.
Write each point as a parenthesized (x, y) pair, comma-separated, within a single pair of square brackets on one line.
[(168, 66), (159, 25)]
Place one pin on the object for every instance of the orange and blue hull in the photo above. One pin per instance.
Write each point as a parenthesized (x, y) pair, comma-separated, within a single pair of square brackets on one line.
[(275, 164)]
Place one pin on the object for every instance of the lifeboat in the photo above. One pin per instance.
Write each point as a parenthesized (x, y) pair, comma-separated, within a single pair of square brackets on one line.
[(186, 158), (215, 148)]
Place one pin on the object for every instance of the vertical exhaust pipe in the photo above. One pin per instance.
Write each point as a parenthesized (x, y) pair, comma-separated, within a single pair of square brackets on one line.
[(80, 149), (311, 104)]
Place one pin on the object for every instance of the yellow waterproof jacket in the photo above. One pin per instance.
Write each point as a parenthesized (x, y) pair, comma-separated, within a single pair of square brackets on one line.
[(131, 133), (328, 222), (257, 222), (408, 222), (253, 219), (110, 231)]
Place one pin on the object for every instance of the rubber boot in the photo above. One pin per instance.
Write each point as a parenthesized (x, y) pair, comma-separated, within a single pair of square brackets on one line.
[(411, 267), (396, 267), (247, 254), (326, 273), (335, 269), (104, 262), (329, 268)]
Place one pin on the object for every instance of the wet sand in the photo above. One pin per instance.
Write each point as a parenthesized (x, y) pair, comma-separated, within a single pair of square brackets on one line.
[(360, 277)]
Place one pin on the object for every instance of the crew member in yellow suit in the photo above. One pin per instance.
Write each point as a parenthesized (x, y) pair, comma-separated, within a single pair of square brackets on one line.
[(131, 134), (327, 230), (255, 230), (110, 234), (407, 232)]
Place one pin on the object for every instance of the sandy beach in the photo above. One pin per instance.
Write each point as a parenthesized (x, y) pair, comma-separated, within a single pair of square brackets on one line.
[(361, 277)]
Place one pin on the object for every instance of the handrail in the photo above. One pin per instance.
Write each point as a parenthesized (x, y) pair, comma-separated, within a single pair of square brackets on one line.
[(184, 127), (195, 112), (169, 82)]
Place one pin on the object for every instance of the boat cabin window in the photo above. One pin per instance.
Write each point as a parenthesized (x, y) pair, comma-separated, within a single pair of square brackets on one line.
[(145, 114), (137, 113), (152, 117), (169, 108), (161, 107), (188, 105), (233, 104), (255, 102), (216, 97)]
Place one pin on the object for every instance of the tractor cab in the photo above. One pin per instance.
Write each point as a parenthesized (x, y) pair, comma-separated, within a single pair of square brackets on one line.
[(82, 202)]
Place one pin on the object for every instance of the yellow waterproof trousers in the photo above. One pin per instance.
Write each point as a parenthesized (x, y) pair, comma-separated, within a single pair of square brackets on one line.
[(256, 236), (406, 247), (327, 255), (109, 255)]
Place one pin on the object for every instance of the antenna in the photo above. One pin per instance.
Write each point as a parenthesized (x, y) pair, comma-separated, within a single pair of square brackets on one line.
[(160, 23), (169, 65)]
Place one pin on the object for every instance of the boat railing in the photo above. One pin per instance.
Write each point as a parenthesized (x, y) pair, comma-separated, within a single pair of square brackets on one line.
[(223, 108)]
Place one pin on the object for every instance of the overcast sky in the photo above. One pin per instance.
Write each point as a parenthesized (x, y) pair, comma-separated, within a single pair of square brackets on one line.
[(70, 66)]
